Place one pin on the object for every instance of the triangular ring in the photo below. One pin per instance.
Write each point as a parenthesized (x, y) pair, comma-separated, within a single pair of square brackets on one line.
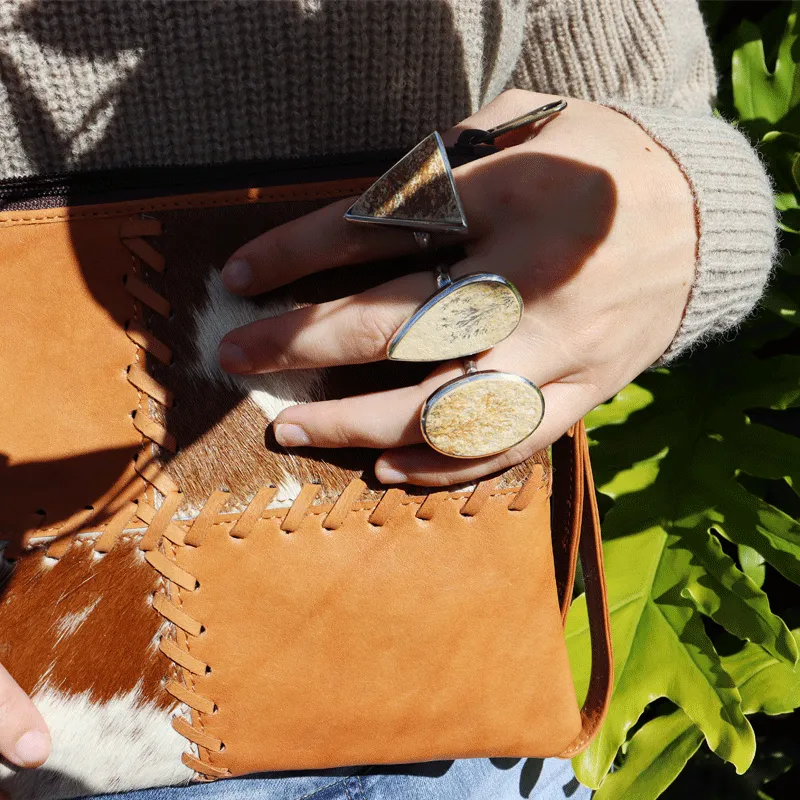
[(417, 192)]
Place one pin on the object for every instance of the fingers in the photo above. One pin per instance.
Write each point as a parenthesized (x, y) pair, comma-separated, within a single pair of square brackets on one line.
[(379, 420), (353, 330), (391, 420), (24, 738), (565, 404), (320, 240), (388, 419), (323, 239)]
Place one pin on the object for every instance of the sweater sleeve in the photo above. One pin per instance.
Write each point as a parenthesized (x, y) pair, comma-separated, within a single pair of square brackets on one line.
[(651, 60)]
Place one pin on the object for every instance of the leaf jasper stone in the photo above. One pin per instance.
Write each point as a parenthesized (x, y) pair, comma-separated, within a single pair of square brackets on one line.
[(482, 414), (467, 317)]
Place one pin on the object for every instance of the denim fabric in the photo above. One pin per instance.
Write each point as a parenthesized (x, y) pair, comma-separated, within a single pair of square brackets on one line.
[(475, 779)]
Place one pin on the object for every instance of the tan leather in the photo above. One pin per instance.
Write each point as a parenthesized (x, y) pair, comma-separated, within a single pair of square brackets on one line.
[(471, 552), (413, 641), (199, 200), (70, 442), (576, 530), (66, 437)]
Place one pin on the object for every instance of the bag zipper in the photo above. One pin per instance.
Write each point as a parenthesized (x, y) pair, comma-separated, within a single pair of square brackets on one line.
[(113, 185)]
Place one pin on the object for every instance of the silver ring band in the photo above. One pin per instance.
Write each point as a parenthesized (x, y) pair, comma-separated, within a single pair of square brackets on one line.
[(423, 239), (442, 275)]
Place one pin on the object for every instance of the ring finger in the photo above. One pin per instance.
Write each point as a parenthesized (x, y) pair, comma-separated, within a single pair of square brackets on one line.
[(389, 419), (565, 403)]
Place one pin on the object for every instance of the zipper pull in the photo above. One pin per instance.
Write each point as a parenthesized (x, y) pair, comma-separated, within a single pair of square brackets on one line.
[(476, 137)]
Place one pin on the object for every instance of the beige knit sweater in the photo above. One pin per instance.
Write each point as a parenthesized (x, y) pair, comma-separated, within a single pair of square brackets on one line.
[(88, 84)]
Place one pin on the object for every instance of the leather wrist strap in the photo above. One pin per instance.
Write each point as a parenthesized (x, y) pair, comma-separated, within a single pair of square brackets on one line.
[(576, 529)]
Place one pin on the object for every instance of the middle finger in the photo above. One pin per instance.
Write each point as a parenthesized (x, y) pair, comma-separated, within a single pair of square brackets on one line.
[(353, 330)]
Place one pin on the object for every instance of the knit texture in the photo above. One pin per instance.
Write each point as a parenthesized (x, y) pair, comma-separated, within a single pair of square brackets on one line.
[(736, 230), (91, 84)]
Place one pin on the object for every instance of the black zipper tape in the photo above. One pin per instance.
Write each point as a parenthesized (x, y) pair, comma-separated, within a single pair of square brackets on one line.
[(116, 185)]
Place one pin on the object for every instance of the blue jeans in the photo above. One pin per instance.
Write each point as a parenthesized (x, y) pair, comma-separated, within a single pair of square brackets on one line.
[(474, 779)]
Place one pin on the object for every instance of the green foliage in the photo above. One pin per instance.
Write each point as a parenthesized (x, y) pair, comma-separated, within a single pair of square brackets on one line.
[(654, 756), (700, 479), (767, 684), (760, 94)]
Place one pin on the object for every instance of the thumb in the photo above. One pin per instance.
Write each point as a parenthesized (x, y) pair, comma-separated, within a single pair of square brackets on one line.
[(24, 737)]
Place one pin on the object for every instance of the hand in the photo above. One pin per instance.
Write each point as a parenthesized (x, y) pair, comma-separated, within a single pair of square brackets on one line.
[(590, 219), (24, 738)]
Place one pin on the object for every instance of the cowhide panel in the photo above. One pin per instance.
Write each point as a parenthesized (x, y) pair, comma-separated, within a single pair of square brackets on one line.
[(80, 635), (221, 422)]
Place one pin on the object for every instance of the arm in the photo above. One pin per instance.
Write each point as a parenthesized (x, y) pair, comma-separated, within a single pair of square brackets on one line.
[(631, 236)]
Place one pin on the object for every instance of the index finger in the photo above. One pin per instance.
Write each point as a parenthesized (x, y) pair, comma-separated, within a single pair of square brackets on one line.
[(324, 240), (24, 738), (320, 240)]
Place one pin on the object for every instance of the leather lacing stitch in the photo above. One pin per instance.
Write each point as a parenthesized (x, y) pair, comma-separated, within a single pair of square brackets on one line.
[(159, 544), (131, 232), (164, 535), (145, 466)]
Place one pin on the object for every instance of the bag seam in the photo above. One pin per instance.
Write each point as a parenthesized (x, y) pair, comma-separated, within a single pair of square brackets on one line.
[(242, 197)]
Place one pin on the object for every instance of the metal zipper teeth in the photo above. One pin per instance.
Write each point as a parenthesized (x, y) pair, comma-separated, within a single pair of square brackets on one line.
[(108, 186)]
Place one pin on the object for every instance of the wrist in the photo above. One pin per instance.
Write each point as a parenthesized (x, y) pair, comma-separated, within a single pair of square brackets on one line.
[(734, 214)]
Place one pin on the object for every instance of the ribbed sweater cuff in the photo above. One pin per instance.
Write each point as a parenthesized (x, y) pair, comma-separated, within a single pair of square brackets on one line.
[(735, 214)]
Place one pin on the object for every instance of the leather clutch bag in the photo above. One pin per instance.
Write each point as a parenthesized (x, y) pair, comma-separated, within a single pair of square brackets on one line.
[(188, 601)]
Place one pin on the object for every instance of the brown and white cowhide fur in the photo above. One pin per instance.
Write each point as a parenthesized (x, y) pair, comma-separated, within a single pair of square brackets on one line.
[(80, 633), (221, 422), (81, 637)]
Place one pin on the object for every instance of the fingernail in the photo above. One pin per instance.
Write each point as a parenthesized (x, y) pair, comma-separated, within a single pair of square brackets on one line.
[(237, 275), (232, 358), (387, 474), (289, 435), (33, 748)]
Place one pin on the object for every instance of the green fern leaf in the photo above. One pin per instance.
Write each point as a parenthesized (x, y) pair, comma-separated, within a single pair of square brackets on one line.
[(655, 756), (767, 684)]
